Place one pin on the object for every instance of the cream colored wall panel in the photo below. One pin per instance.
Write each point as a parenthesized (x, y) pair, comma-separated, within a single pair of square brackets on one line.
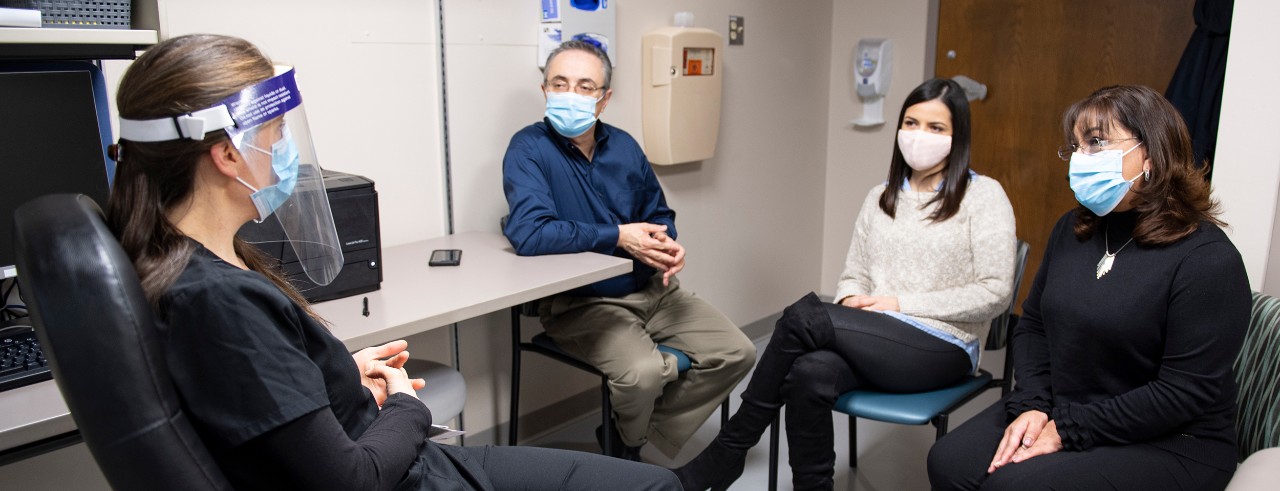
[(493, 92), (369, 72), (857, 158), (493, 23)]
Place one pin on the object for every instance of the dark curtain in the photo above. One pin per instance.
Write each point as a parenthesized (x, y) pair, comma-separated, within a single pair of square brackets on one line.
[(1196, 88)]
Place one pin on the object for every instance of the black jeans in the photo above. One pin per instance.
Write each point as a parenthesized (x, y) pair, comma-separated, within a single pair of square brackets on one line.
[(819, 351), (960, 459)]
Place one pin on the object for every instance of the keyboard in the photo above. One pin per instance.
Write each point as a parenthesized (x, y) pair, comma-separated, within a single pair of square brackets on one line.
[(21, 360)]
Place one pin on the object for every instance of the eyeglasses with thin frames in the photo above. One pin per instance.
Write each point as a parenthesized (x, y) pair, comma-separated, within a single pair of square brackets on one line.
[(584, 88), (1090, 147)]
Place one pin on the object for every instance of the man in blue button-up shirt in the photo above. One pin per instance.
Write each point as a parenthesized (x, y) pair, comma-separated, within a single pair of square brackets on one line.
[(575, 184)]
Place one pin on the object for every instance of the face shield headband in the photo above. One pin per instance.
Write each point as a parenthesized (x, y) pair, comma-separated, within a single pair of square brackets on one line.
[(291, 178)]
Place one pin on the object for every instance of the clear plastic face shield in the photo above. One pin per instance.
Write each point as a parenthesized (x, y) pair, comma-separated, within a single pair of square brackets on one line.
[(268, 126)]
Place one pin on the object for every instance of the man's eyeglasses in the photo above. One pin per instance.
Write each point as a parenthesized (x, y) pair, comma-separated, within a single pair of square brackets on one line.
[(586, 89), (1090, 147)]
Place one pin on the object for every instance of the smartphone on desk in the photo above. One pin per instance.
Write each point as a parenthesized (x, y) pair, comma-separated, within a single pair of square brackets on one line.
[(445, 257)]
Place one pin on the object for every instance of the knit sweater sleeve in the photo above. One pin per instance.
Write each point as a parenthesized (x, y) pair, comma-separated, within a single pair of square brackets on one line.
[(992, 244), (1209, 308), (855, 280)]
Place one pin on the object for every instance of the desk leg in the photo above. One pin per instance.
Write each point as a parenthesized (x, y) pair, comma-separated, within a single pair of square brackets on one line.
[(513, 416), (457, 365)]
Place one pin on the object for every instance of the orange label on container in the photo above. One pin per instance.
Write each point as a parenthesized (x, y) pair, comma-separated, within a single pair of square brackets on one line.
[(694, 67), (699, 61)]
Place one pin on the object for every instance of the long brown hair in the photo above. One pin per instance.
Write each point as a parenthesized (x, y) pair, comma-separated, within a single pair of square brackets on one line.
[(1173, 201), (177, 76), (955, 180)]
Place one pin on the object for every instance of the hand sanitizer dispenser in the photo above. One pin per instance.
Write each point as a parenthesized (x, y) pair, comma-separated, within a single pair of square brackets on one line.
[(871, 70), (680, 93)]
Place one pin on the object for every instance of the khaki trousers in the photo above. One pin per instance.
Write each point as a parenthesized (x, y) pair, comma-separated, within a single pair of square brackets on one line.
[(619, 336)]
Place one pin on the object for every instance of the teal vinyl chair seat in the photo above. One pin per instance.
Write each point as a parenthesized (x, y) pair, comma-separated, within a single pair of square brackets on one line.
[(682, 360), (917, 408)]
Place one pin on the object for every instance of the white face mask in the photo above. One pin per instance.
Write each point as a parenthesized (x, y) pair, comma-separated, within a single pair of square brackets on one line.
[(923, 150)]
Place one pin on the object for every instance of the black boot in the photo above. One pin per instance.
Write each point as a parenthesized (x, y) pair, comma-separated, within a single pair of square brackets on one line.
[(720, 464), (815, 381), (804, 327)]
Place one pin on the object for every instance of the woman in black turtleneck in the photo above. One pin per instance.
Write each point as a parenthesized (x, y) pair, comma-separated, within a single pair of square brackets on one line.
[(1124, 351)]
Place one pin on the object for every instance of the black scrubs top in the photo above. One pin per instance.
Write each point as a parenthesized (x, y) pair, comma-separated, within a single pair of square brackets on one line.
[(275, 363), (254, 371)]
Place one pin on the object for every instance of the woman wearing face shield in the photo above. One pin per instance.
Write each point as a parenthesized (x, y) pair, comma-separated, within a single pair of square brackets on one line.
[(212, 136), (930, 264), (1124, 351)]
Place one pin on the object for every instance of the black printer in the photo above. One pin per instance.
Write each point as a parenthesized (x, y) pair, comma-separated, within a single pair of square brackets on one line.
[(355, 214)]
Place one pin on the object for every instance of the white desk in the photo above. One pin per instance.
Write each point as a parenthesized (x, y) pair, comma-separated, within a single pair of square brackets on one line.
[(414, 298)]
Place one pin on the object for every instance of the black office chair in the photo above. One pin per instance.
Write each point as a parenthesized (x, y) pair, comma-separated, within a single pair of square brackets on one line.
[(98, 333), (543, 345), (933, 407)]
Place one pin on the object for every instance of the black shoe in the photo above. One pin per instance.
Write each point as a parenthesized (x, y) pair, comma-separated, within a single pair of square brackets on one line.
[(620, 449)]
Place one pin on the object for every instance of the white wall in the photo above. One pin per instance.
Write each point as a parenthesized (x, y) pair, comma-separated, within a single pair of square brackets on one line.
[(750, 217), (1246, 175), (369, 77), (858, 158)]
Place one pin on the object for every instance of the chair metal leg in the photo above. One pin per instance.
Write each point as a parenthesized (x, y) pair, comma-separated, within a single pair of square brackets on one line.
[(513, 424), (1006, 383), (853, 442), (941, 423), (724, 413), (774, 433), (606, 410)]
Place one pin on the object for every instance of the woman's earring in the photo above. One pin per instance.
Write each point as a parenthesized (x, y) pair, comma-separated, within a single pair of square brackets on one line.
[(1146, 174)]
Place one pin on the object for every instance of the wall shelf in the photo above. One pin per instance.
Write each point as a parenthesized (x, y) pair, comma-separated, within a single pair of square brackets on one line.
[(45, 43), (19, 43)]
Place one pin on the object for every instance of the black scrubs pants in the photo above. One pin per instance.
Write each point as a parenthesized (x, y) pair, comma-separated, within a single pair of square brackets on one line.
[(960, 459)]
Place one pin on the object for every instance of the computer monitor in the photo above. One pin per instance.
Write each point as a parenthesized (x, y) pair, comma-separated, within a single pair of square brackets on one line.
[(54, 130)]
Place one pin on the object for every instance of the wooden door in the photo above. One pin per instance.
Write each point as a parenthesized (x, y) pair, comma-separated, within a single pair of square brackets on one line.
[(1036, 58)]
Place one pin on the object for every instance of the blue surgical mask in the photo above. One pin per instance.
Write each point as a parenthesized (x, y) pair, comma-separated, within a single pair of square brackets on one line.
[(1098, 181), (284, 164), (571, 114)]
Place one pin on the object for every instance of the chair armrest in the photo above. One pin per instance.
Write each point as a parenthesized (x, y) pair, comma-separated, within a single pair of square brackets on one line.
[(1258, 472)]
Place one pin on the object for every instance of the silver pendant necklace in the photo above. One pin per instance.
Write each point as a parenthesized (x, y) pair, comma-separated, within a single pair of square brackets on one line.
[(1108, 258)]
